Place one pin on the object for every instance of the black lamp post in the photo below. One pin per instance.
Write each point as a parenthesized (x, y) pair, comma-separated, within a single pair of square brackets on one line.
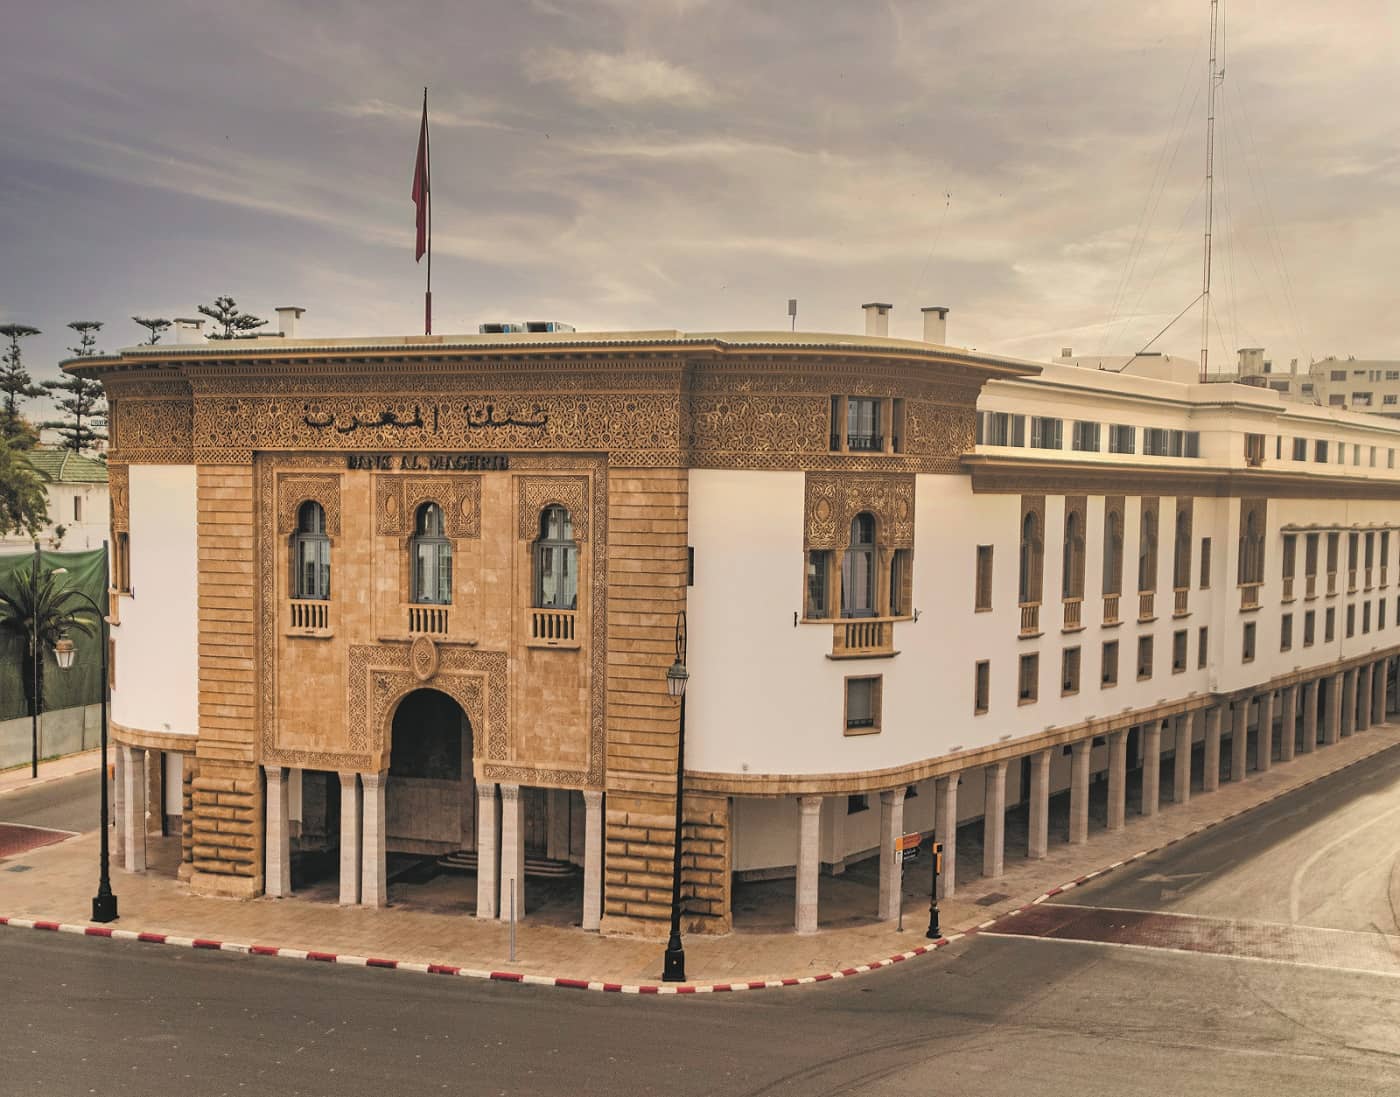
[(104, 903), (676, 678)]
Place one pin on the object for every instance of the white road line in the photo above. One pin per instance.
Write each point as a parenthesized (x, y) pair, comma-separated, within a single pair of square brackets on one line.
[(1295, 888)]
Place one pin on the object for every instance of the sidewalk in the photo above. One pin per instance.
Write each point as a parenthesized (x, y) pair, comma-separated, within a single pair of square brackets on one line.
[(52, 770), (63, 877)]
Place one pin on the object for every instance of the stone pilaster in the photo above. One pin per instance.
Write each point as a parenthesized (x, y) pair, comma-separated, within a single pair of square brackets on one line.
[(1183, 731), (891, 868), (592, 858), (1151, 767), (1210, 772), (1117, 778), (134, 799), (1288, 725), (488, 850), (374, 882), (277, 882), (1079, 792), (1038, 834), (350, 839), (809, 811), (946, 831), (1311, 697), (1264, 741), (1239, 738), (512, 852)]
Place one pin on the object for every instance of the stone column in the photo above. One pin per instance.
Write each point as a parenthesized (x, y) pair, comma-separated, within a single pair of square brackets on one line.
[(1363, 697), (1348, 702), (118, 836), (349, 839), (1332, 723), (1038, 843), (1117, 778), (1288, 726), (946, 831), (1264, 743), (374, 879), (277, 865), (994, 820), (1378, 691), (1239, 738), (134, 821), (488, 833), (809, 830), (294, 809), (1210, 771), (1182, 731), (1079, 792), (512, 851), (592, 858), (891, 868), (1151, 768), (1310, 701), (557, 825)]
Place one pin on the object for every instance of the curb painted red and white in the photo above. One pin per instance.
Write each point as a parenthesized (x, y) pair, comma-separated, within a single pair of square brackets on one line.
[(664, 989)]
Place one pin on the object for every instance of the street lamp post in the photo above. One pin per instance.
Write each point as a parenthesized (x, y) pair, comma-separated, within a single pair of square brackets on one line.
[(676, 678), (104, 903)]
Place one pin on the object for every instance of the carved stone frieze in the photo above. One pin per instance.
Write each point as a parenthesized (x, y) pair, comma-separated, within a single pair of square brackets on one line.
[(152, 431), (538, 492), (834, 499), (119, 493), (397, 499), (292, 491)]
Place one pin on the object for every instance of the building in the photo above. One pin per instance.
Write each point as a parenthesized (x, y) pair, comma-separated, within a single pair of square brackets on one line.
[(1365, 385), (420, 595), (76, 488)]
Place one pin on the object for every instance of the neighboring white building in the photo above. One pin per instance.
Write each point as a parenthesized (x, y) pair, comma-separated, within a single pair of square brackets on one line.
[(76, 487)]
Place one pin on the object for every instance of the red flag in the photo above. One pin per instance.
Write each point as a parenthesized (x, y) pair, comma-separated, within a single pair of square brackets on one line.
[(420, 183)]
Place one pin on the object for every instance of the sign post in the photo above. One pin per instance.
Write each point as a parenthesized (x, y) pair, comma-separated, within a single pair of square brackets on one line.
[(906, 849)]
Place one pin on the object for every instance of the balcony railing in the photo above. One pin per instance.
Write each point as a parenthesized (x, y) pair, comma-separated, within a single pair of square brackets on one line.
[(1074, 614), (1368, 578), (553, 628), (1288, 588), (1180, 601), (1147, 600), (1249, 595), (1030, 618), (1331, 583), (862, 636), (1384, 581), (308, 615), (1351, 580), (1110, 609), (1310, 587), (865, 443), (428, 619)]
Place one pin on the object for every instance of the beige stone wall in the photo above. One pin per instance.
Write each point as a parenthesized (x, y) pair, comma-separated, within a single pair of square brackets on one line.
[(706, 863)]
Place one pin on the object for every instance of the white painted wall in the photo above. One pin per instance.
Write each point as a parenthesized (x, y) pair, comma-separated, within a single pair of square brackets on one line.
[(157, 642)]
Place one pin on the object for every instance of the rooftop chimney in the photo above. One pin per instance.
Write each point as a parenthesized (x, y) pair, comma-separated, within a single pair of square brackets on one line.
[(1066, 352), (936, 325), (188, 330), (1251, 361), (877, 318), (287, 317)]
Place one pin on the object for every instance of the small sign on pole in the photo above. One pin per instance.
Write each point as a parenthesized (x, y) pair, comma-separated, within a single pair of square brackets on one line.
[(906, 847)]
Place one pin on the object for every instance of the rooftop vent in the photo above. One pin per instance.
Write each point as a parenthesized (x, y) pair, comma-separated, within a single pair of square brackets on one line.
[(187, 330), (514, 327), (287, 317), (877, 318), (935, 324)]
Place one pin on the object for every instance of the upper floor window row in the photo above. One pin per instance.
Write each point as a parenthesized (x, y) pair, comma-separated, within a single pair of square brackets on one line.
[(867, 424), (1000, 428)]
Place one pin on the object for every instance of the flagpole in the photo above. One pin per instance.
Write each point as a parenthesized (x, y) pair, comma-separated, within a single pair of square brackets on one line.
[(428, 194)]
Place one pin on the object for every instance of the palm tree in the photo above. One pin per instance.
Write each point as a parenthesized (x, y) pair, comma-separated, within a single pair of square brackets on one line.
[(35, 607)]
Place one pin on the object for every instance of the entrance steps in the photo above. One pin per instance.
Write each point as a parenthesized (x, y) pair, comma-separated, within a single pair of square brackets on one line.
[(464, 860)]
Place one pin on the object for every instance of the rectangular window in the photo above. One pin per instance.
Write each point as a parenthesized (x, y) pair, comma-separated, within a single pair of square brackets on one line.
[(1253, 450), (863, 433), (1373, 457), (1309, 628), (1329, 625), (981, 687), (1351, 621), (818, 584), (1310, 559), (1285, 633), (998, 428), (1069, 672), (1144, 657), (1193, 443), (1108, 674), (1380, 614), (1300, 449), (1155, 442), (1290, 560), (1028, 680), (77, 508), (863, 705), (1365, 617), (1338, 375), (901, 583), (1390, 458), (983, 588), (1334, 541), (1122, 439), (1205, 563), (1385, 554), (1178, 651), (1046, 433), (1320, 451), (857, 803), (690, 565), (121, 562), (1202, 647), (1356, 453), (1085, 437), (1248, 653)]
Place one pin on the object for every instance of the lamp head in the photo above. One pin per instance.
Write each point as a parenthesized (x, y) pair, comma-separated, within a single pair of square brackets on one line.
[(676, 678), (63, 652)]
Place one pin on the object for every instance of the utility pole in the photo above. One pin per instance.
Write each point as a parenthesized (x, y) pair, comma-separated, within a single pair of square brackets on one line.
[(1210, 193)]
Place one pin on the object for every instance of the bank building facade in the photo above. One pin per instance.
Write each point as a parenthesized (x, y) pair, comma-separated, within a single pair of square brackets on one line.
[(417, 597)]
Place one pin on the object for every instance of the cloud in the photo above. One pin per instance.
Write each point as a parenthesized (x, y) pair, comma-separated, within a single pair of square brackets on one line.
[(627, 79)]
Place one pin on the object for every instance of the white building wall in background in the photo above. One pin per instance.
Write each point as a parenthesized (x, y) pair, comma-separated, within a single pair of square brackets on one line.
[(157, 686)]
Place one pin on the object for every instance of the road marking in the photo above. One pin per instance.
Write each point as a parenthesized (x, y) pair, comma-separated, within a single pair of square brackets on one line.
[(1295, 889)]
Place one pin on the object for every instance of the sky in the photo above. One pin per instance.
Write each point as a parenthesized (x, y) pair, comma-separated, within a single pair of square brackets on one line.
[(1037, 167)]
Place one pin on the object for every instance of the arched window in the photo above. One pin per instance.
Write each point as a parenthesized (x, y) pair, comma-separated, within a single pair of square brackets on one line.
[(431, 553), (1113, 553), (556, 560), (1147, 551), (1032, 553), (1181, 560), (1073, 581), (311, 554), (858, 598)]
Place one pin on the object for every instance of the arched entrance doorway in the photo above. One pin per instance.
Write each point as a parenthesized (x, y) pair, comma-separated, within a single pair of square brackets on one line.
[(430, 794)]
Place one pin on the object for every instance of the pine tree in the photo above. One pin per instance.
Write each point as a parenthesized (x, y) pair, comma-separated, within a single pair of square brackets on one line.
[(84, 399), (236, 325), (154, 325), (16, 384)]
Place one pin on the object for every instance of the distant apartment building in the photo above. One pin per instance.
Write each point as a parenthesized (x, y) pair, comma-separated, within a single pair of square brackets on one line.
[(76, 489)]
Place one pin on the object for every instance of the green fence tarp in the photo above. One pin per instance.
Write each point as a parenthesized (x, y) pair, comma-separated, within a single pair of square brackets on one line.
[(82, 683)]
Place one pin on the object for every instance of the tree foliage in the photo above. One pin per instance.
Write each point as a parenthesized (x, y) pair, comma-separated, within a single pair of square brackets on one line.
[(81, 398), (155, 325), (35, 601), (24, 506), (15, 382), (235, 324)]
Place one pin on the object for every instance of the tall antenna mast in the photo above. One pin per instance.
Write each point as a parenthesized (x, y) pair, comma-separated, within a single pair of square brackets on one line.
[(1210, 194)]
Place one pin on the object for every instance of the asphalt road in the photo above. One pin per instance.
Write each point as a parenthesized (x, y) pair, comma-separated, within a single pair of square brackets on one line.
[(990, 1016), (69, 803)]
